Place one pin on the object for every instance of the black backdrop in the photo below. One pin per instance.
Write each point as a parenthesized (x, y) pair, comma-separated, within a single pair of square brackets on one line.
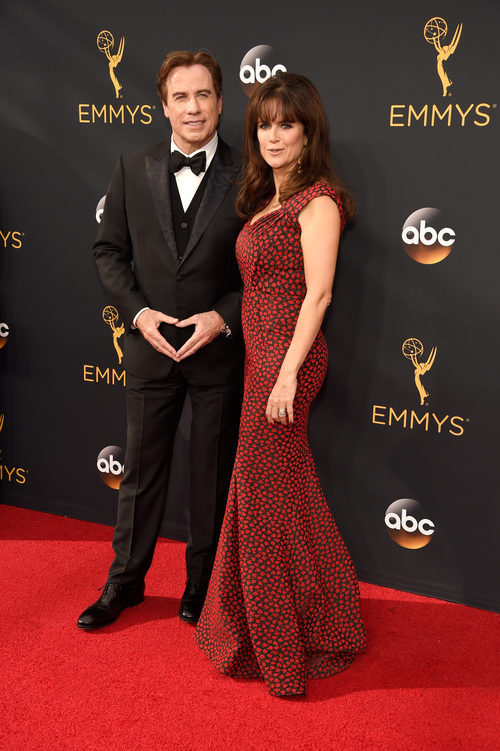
[(405, 429)]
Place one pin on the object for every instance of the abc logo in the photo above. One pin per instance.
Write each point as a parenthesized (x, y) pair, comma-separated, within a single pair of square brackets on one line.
[(257, 66), (406, 524), (4, 333), (110, 466), (427, 236), (99, 209)]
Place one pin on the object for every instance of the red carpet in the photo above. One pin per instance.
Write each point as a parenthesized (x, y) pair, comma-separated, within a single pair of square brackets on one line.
[(429, 680)]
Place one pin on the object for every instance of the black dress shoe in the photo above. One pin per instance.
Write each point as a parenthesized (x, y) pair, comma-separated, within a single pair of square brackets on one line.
[(192, 601), (107, 608)]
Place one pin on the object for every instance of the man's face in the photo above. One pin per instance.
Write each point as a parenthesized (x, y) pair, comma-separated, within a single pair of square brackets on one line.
[(192, 106)]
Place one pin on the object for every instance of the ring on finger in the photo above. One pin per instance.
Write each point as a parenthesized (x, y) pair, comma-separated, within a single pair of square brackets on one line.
[(281, 412)]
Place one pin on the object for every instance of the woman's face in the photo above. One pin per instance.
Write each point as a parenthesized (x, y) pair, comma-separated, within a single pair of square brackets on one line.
[(281, 143)]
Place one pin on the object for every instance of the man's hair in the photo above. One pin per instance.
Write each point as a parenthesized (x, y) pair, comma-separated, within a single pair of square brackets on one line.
[(187, 58)]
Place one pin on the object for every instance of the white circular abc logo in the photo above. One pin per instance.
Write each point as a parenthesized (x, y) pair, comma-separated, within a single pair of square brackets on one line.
[(427, 236), (257, 66), (4, 333), (110, 466), (99, 209), (406, 524)]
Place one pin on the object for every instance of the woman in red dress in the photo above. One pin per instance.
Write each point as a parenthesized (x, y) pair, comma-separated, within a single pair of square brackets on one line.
[(283, 601)]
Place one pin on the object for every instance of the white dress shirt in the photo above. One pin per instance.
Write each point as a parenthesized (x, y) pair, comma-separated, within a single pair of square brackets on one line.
[(187, 182)]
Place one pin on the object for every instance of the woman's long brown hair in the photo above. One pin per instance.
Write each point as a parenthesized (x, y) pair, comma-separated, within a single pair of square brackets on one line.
[(291, 98)]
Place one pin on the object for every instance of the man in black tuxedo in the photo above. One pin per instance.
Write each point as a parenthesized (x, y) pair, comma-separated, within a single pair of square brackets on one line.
[(165, 254)]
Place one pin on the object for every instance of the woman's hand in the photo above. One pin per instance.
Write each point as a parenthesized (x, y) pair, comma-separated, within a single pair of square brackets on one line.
[(280, 402)]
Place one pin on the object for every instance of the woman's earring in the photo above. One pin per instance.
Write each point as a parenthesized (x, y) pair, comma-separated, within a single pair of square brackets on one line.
[(299, 160)]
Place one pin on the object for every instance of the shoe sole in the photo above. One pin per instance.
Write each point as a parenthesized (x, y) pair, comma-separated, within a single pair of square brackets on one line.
[(131, 604)]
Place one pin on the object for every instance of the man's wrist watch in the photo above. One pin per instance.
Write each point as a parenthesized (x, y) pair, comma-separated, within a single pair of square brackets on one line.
[(225, 330)]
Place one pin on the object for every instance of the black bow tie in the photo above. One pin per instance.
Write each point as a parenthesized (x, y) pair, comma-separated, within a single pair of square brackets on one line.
[(196, 162)]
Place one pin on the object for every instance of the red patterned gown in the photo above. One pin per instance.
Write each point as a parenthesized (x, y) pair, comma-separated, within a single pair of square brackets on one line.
[(283, 600)]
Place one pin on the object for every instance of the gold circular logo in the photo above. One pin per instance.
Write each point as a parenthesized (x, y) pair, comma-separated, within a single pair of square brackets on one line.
[(434, 29), (110, 314), (105, 41)]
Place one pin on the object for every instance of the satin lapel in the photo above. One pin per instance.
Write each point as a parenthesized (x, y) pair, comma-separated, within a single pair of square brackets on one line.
[(159, 185), (219, 182)]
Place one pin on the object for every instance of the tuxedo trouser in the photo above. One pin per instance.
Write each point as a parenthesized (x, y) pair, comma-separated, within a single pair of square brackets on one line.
[(153, 412)]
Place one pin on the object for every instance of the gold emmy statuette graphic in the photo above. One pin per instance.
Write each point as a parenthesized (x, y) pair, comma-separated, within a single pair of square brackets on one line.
[(110, 315), (412, 348), (436, 29), (2, 417), (105, 43)]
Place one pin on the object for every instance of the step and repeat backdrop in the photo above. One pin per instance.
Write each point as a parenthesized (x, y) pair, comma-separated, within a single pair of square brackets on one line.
[(405, 431)]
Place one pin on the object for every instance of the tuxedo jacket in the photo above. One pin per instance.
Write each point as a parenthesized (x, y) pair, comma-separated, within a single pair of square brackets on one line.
[(137, 259)]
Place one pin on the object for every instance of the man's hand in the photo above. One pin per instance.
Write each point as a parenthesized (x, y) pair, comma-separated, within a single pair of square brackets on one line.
[(148, 323), (207, 326)]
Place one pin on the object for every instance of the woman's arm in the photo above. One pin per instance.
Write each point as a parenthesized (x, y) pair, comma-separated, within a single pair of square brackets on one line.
[(320, 223)]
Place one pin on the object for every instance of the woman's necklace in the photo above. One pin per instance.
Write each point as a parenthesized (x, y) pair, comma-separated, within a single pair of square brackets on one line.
[(274, 203)]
